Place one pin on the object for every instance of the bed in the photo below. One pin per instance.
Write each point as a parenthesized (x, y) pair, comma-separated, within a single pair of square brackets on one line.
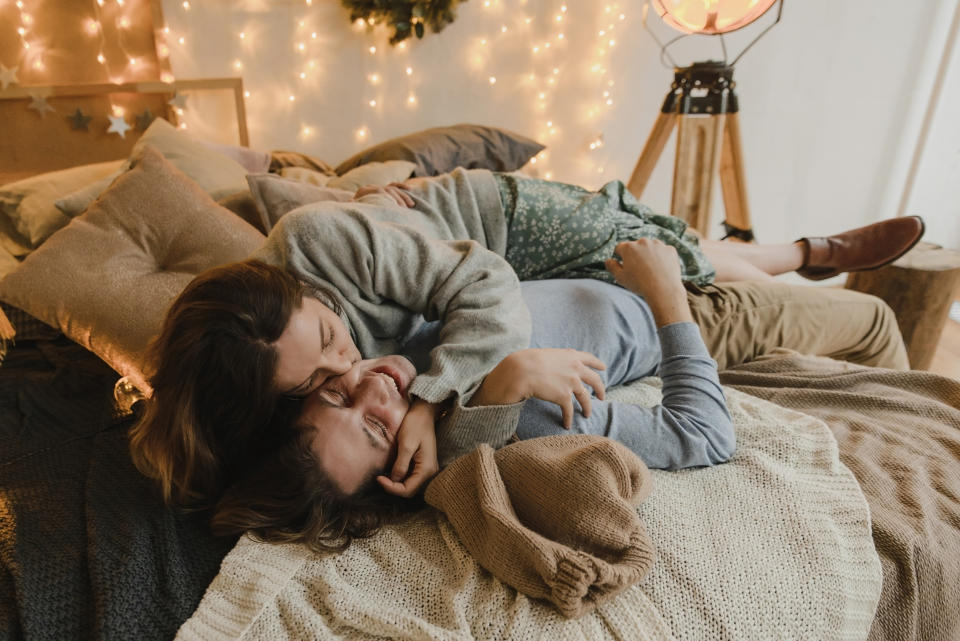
[(838, 518)]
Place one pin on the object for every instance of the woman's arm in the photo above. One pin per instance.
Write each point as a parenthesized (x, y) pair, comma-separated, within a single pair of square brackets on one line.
[(388, 274)]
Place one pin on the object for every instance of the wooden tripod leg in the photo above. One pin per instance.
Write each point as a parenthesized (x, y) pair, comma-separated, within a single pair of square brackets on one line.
[(733, 183), (652, 149), (698, 150)]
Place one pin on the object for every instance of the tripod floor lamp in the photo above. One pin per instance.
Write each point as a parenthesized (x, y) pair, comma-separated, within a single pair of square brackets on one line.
[(702, 106)]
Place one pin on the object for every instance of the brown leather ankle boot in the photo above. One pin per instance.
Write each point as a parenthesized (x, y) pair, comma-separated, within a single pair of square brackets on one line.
[(859, 249)]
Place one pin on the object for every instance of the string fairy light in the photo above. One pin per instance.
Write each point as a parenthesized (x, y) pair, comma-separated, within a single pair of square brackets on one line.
[(568, 97)]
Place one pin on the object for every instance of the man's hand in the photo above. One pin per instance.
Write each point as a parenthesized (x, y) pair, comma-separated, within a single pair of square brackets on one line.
[(650, 268), (416, 451), (396, 191), (555, 375)]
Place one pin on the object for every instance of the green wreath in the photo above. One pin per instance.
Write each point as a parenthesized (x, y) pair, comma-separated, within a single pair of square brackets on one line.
[(407, 17)]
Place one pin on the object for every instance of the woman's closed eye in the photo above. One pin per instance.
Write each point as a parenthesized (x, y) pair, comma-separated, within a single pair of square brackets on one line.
[(327, 340)]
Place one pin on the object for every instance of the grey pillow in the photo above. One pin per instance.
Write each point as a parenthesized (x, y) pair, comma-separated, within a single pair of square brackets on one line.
[(443, 149)]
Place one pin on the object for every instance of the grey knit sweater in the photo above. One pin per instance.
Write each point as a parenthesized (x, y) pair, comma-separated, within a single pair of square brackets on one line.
[(390, 268)]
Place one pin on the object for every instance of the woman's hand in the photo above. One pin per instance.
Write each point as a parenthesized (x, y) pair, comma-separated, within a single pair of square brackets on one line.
[(396, 191), (650, 268), (416, 451), (554, 375)]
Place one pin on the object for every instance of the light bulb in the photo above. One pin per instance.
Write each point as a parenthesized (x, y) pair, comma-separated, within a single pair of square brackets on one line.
[(710, 16)]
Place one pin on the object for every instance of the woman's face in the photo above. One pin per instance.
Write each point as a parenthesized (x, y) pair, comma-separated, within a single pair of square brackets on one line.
[(314, 346), (355, 418)]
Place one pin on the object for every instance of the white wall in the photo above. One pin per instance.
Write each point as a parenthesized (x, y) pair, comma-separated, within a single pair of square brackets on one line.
[(934, 192), (832, 99)]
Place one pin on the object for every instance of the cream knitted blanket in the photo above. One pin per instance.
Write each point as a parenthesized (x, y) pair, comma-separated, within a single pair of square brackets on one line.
[(773, 545)]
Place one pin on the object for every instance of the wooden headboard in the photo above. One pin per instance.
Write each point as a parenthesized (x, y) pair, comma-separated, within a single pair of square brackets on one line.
[(33, 143)]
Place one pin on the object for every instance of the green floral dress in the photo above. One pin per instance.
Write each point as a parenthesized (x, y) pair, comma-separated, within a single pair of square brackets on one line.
[(558, 230)]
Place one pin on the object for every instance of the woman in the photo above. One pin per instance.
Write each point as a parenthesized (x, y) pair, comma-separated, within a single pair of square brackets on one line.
[(237, 342)]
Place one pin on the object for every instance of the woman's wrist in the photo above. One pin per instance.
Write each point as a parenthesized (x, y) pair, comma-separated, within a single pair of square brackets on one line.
[(499, 387), (421, 406)]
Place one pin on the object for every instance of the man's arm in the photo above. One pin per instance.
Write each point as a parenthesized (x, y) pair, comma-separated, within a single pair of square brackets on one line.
[(691, 427)]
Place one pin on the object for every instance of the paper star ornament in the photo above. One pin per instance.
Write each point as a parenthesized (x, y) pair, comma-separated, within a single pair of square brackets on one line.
[(40, 105), (7, 76), (144, 119), (178, 100), (79, 120), (118, 126)]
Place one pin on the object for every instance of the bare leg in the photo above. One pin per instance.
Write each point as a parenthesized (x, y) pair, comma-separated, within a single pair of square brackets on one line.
[(740, 261)]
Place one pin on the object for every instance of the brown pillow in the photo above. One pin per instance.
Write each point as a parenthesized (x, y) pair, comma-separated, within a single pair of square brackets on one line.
[(243, 205), (282, 159), (107, 278), (443, 149)]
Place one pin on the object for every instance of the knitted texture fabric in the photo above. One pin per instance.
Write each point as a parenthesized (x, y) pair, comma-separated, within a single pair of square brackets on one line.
[(899, 433), (773, 545), (87, 548), (554, 517)]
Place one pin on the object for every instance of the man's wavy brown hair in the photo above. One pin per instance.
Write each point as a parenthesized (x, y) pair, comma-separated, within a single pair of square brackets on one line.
[(287, 498)]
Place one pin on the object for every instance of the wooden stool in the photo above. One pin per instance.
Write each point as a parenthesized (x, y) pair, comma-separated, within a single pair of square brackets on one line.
[(919, 287)]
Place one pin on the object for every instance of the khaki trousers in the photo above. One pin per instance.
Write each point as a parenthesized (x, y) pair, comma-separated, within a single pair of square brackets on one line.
[(742, 321)]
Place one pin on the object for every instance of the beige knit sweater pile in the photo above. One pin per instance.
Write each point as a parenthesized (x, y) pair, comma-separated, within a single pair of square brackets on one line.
[(553, 517)]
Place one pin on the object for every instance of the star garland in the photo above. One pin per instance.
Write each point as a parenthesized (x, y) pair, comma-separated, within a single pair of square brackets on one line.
[(406, 17), (79, 121)]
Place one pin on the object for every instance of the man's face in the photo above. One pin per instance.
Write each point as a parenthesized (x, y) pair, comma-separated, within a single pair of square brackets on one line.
[(355, 418)]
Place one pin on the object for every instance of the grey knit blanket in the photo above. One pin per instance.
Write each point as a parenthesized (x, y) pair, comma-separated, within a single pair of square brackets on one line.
[(86, 549)]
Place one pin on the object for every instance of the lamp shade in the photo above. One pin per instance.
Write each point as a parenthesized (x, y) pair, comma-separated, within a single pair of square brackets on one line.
[(710, 17)]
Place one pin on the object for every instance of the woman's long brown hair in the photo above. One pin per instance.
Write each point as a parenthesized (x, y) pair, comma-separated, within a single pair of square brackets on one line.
[(213, 389)]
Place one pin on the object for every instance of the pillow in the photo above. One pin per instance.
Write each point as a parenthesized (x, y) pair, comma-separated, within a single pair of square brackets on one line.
[(29, 204), (373, 173), (243, 205), (442, 149), (252, 161), (275, 196), (216, 174), (280, 160), (107, 278), (304, 175), (11, 240)]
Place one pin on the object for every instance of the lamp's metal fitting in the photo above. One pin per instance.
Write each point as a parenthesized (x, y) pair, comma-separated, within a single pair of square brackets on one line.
[(702, 88)]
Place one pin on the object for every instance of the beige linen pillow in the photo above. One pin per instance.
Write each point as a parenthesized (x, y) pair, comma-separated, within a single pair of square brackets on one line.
[(252, 160), (373, 173), (29, 204), (214, 172), (107, 278), (304, 175), (274, 196)]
